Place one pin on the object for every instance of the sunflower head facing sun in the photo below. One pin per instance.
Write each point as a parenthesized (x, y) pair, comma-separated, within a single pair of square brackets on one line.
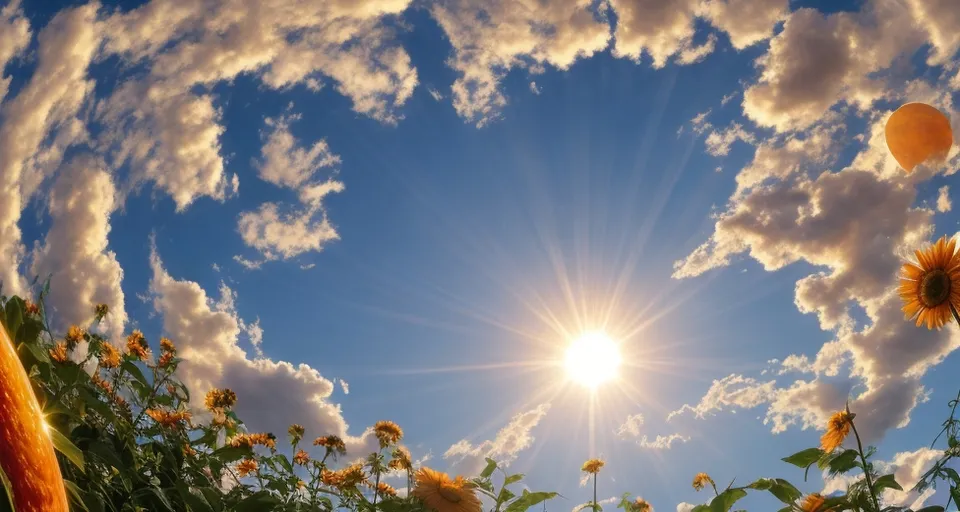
[(440, 493), (930, 288), (593, 359)]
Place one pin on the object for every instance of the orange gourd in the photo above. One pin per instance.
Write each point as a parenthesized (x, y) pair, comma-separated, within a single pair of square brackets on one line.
[(26, 451), (918, 133)]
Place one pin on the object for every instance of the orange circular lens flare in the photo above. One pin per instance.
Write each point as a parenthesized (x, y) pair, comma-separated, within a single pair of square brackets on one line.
[(26, 452), (918, 133)]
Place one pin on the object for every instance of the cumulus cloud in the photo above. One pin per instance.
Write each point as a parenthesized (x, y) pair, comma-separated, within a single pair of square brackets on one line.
[(284, 162), (40, 122), (468, 459), (14, 37), (731, 391), (74, 253), (943, 199), (490, 38), (282, 232), (821, 59), (907, 468), (272, 394), (534, 89), (283, 235), (719, 141)]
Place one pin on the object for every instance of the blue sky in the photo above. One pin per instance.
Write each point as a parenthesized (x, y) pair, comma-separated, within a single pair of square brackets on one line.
[(594, 177)]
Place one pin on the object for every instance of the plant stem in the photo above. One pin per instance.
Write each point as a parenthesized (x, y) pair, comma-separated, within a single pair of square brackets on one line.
[(714, 488), (866, 469), (595, 506)]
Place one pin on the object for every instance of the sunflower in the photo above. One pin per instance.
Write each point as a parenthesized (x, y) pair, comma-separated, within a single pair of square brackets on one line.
[(220, 399), (166, 359), (246, 466), (385, 489), (167, 418), (59, 352), (137, 345), (441, 494), (296, 432), (109, 355), (930, 289), (333, 444), (387, 433), (32, 308), (401, 459), (101, 310), (701, 480), (74, 336), (641, 505), (592, 466), (813, 503), (301, 458), (838, 426), (167, 346)]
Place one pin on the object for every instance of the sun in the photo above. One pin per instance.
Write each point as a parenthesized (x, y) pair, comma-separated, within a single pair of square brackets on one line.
[(593, 359)]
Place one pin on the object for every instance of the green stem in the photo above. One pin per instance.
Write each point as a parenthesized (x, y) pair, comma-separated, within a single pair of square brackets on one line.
[(714, 488), (866, 469), (595, 506)]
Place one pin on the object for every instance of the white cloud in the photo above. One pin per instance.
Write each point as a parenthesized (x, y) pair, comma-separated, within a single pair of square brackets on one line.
[(732, 391), (308, 266), (660, 28), (534, 89), (435, 94), (941, 20), (215, 267), (40, 122), (662, 442), (285, 163), (685, 507), (780, 158), (255, 334), (283, 235), (491, 38), (630, 426), (943, 199), (747, 22), (907, 468), (247, 264), (272, 394), (468, 459), (283, 42), (719, 141), (728, 97), (74, 253), (818, 60), (344, 386), (14, 38), (168, 137)]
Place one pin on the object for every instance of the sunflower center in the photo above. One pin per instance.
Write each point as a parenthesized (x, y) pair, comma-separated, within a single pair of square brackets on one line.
[(934, 288), (450, 493)]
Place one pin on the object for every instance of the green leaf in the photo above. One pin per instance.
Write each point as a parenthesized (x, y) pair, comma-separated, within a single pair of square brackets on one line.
[(843, 462), (7, 491), (529, 499), (804, 458), (782, 489), (256, 503), (726, 499), (512, 479), (887, 482), (487, 471), (284, 461), (135, 372), (14, 316), (231, 453), (73, 492), (67, 448)]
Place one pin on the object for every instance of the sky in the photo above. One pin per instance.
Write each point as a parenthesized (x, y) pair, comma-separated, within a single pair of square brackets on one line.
[(357, 210)]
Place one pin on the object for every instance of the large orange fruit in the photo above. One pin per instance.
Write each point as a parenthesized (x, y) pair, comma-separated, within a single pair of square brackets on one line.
[(918, 133), (26, 451)]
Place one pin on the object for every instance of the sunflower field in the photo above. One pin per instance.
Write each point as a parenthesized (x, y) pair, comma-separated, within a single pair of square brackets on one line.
[(90, 425)]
